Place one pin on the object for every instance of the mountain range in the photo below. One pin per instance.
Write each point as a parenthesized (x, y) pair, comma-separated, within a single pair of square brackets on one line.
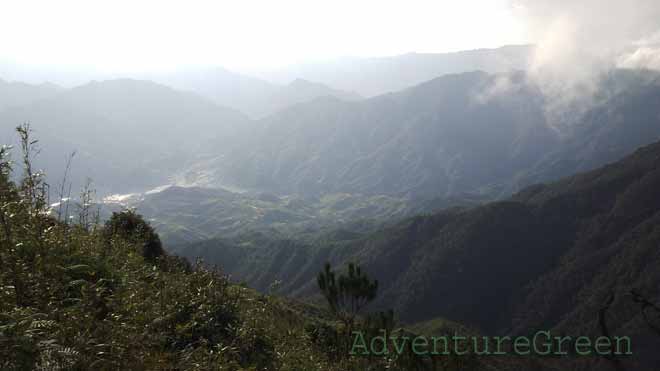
[(450, 137), (127, 134), (254, 97), (13, 94), (549, 257), (375, 76), (263, 94), (454, 139)]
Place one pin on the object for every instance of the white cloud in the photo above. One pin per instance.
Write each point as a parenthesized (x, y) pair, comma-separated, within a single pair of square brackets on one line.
[(643, 57), (577, 41)]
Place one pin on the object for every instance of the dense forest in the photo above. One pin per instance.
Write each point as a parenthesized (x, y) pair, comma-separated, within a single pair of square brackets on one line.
[(549, 257)]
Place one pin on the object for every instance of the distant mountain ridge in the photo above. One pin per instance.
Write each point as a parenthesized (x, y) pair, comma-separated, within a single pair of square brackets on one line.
[(252, 96), (444, 138), (13, 94), (129, 134), (374, 76)]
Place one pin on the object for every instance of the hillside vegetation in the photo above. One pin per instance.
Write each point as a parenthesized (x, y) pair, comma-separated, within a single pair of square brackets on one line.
[(81, 296), (194, 214), (549, 257), (76, 294)]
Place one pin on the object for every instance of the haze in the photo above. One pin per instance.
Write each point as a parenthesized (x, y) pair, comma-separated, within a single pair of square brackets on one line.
[(121, 36)]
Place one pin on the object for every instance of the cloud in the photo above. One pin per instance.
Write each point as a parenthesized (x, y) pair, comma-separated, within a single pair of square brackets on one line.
[(571, 33), (577, 41), (643, 57), (502, 85)]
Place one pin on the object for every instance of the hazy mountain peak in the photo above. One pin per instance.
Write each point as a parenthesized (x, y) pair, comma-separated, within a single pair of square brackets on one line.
[(13, 94), (124, 83), (302, 90), (301, 82), (378, 75)]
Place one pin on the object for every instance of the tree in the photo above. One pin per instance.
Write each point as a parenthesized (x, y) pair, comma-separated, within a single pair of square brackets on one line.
[(348, 294), (33, 186), (7, 192), (132, 227)]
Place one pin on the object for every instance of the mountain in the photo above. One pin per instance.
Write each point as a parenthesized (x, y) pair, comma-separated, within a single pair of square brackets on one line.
[(626, 117), (374, 76), (142, 308), (256, 98), (454, 136), (438, 139), (301, 91), (546, 258), (252, 96), (129, 135), (14, 94), (40, 74)]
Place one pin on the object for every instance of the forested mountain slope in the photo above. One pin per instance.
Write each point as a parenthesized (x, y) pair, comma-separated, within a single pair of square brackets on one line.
[(455, 136), (547, 258), (439, 139)]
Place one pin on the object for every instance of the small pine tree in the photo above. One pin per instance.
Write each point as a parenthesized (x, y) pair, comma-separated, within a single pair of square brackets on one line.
[(347, 294)]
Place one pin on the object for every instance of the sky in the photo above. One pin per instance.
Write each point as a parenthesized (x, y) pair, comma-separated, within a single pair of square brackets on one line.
[(141, 35)]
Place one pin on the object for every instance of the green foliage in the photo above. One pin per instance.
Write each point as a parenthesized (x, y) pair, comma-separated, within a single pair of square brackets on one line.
[(348, 294), (190, 214), (375, 322), (68, 302), (131, 226)]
